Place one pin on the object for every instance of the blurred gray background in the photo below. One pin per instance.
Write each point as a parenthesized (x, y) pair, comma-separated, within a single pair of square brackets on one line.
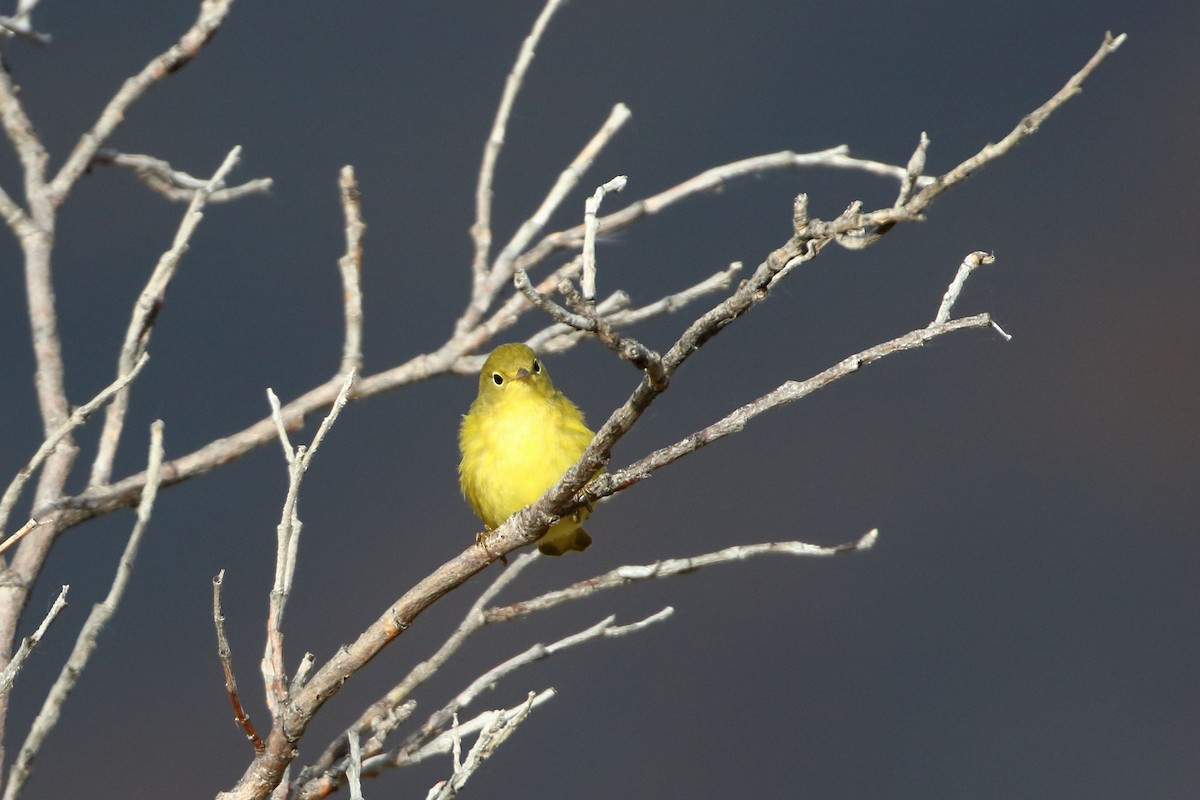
[(1026, 625)]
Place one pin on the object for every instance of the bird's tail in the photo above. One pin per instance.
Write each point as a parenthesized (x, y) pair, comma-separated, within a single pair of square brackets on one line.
[(555, 543)]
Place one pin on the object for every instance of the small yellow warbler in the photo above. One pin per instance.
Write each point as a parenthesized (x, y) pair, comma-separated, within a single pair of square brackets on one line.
[(518, 438)]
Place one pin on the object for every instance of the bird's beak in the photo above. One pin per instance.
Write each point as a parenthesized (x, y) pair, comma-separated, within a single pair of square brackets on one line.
[(522, 374)]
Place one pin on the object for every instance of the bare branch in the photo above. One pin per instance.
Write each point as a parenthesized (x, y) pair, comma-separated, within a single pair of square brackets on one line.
[(673, 302), (287, 544), (497, 727), (77, 418), (19, 25), (380, 718), (484, 291), (23, 136), (21, 533), (350, 268), (212, 14), (590, 226), (354, 771), (145, 313), (438, 721), (481, 231), (788, 392), (709, 180), (1024, 129), (667, 568), (289, 452), (448, 357), (177, 185), (559, 314), (567, 180), (444, 743), (524, 527), (225, 653), (559, 337), (85, 644), (971, 263), (914, 171), (438, 735), (810, 236), (30, 643)]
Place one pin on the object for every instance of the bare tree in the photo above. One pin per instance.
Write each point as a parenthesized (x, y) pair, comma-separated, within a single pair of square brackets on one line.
[(536, 271)]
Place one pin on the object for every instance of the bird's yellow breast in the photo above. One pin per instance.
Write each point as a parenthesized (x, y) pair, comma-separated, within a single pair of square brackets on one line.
[(516, 447)]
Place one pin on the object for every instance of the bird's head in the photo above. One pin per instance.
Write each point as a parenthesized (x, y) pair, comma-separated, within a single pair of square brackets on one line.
[(513, 368)]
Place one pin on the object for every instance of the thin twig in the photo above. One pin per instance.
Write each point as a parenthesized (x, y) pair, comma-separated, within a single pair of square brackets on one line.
[(507, 315), (484, 292), (709, 180), (481, 231), (444, 743), (496, 729), (19, 26), (21, 532), (146, 313), (30, 643), (668, 568), (350, 268), (788, 392), (1023, 130), (212, 14), (559, 314), (623, 345), (77, 418), (558, 337), (439, 719), (287, 545), (85, 643), (306, 665), (281, 430), (591, 225), (354, 770), (584, 315), (914, 171), (177, 185), (673, 302), (23, 136), (19, 23), (225, 653), (971, 263)]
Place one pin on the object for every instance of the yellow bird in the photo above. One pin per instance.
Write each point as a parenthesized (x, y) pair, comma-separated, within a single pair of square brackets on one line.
[(517, 439)]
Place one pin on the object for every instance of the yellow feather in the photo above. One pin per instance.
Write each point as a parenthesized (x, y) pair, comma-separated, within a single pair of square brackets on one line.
[(517, 439)]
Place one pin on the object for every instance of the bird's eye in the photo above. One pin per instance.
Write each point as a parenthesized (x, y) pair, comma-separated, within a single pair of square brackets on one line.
[(497, 378), (537, 366)]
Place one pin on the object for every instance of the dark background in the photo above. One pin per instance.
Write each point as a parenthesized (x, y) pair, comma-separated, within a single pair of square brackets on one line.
[(1026, 625)]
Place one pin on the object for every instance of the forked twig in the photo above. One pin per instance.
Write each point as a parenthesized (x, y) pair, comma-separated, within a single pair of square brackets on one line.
[(287, 545)]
